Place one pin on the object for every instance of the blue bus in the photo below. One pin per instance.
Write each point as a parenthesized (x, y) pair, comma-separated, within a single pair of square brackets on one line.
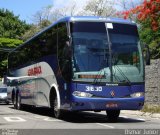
[(80, 64)]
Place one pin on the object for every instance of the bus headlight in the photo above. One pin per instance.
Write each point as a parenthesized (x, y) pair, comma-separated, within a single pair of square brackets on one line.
[(137, 94), (82, 94)]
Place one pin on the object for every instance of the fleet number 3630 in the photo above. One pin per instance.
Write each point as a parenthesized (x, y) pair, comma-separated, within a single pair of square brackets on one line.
[(91, 88)]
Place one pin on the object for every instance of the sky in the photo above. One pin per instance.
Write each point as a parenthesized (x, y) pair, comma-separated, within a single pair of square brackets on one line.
[(25, 9)]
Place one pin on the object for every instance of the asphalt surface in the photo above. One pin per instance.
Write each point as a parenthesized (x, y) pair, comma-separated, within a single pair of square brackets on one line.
[(40, 121)]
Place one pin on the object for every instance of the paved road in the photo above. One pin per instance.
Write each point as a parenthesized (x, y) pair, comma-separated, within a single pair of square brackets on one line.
[(41, 118)]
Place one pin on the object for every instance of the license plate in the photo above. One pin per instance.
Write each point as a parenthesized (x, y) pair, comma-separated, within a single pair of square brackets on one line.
[(111, 105)]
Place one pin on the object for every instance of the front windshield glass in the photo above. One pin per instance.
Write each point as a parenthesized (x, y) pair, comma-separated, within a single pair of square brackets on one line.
[(91, 57), (127, 63)]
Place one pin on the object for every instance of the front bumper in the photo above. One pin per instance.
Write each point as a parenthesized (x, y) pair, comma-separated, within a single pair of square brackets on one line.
[(93, 104)]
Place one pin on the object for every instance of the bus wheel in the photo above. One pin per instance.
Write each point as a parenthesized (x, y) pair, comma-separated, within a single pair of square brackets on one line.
[(18, 103), (57, 112), (13, 97), (112, 115), (15, 102)]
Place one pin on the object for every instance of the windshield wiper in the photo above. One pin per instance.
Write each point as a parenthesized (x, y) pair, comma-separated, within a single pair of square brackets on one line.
[(103, 70), (121, 72)]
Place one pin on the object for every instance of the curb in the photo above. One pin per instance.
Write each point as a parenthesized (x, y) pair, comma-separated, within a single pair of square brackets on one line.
[(139, 113)]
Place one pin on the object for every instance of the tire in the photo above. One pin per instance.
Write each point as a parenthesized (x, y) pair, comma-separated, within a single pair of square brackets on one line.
[(57, 112), (18, 102), (15, 102), (13, 96), (112, 115)]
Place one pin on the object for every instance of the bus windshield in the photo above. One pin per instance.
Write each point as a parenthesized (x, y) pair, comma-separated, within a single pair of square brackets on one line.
[(106, 52)]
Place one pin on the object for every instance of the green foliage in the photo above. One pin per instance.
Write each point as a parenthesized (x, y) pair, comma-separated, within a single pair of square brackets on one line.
[(9, 43), (3, 67), (35, 29), (10, 25), (31, 32), (147, 15), (5, 44), (151, 38), (44, 23), (11, 30)]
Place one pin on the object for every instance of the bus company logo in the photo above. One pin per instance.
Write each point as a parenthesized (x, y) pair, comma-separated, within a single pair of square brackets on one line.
[(112, 93), (34, 71)]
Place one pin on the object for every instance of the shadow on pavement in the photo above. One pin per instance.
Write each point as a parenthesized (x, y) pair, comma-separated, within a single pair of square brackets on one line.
[(4, 104), (78, 117)]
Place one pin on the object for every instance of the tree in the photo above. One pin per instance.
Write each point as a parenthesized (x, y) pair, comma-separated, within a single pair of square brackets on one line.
[(148, 17), (41, 19), (6, 45), (42, 16), (10, 25), (126, 5), (46, 16), (11, 30), (100, 8), (35, 28), (147, 11), (68, 10), (150, 37)]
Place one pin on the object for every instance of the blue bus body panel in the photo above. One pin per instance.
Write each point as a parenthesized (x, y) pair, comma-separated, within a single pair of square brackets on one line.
[(102, 99), (91, 104), (120, 91)]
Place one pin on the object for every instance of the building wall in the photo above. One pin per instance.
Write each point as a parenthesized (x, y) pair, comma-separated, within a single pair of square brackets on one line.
[(152, 85)]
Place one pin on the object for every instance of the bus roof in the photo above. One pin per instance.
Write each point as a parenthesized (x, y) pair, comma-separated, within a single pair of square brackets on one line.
[(89, 19), (95, 19)]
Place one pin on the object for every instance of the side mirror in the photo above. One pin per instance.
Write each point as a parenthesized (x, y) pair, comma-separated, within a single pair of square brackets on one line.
[(147, 55)]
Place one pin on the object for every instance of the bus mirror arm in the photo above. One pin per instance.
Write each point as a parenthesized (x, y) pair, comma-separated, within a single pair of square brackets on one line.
[(68, 50)]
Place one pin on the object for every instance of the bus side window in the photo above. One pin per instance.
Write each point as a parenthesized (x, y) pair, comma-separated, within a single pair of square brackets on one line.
[(51, 41), (64, 61), (48, 42)]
